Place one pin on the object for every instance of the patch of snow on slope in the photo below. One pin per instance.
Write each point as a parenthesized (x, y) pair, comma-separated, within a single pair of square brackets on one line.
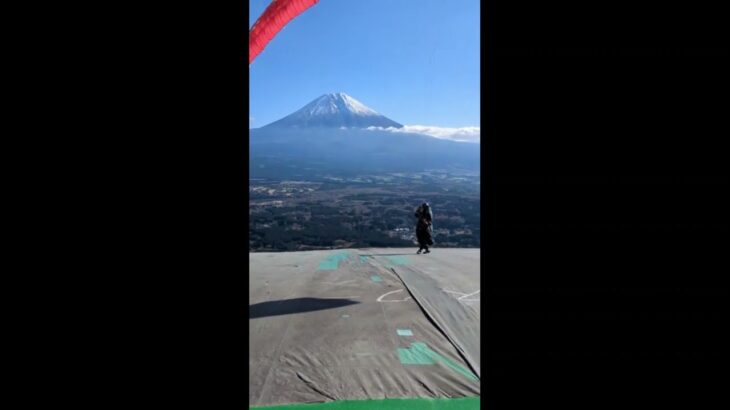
[(356, 106), (323, 105)]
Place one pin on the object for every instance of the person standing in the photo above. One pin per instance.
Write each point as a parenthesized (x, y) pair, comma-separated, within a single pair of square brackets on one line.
[(424, 227)]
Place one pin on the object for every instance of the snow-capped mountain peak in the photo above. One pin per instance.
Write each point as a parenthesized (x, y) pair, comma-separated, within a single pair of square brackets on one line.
[(337, 102), (335, 110)]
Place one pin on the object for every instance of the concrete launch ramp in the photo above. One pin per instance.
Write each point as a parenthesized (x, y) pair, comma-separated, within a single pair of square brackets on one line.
[(364, 324)]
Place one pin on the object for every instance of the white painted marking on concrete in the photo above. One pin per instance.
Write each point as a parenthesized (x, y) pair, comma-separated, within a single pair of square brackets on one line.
[(380, 299), (466, 296)]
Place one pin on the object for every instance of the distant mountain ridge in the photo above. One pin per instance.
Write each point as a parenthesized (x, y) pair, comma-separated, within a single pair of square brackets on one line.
[(334, 110)]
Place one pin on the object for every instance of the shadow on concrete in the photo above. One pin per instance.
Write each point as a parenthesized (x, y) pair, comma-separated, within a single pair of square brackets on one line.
[(291, 306), (392, 254)]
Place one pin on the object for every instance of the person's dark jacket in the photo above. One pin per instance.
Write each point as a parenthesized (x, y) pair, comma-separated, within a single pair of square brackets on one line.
[(424, 233)]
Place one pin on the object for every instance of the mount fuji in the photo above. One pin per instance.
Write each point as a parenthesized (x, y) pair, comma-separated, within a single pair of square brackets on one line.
[(334, 110), (335, 133)]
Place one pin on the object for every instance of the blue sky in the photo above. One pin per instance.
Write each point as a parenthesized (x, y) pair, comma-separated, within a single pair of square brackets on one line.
[(414, 61)]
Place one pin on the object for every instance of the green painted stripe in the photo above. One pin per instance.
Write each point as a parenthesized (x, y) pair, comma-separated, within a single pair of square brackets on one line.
[(452, 365), (414, 356), (462, 403), (420, 354), (375, 278), (333, 261)]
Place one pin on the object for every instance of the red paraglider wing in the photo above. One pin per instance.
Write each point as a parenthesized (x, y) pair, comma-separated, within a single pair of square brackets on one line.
[(275, 17)]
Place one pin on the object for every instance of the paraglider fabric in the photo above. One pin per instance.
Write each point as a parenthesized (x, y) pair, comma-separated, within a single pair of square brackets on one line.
[(275, 17)]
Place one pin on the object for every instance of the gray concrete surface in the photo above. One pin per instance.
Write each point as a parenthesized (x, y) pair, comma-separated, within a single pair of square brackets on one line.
[(363, 324)]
